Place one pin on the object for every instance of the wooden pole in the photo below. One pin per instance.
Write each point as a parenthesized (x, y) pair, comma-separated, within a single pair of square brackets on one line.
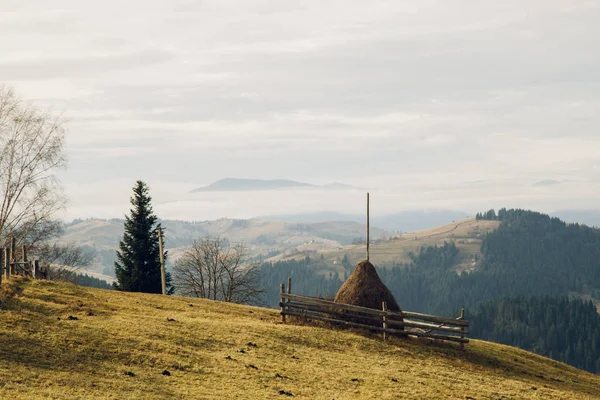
[(281, 300), (6, 263), (289, 285), (163, 280), (2, 265), (24, 265), (36, 269), (462, 333), (384, 308), (13, 248), (368, 226)]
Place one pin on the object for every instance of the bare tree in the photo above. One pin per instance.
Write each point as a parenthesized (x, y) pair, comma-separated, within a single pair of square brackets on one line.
[(63, 260), (213, 269), (31, 150)]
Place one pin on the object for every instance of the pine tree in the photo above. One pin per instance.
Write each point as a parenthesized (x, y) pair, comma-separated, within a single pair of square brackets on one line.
[(138, 259)]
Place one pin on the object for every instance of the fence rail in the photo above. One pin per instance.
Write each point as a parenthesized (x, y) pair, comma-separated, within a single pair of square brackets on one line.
[(388, 322), (12, 264)]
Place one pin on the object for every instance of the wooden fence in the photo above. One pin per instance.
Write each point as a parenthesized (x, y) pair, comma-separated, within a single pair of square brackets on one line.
[(12, 264), (385, 321)]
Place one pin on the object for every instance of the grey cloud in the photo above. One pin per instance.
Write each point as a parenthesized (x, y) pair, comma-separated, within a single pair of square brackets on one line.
[(501, 92)]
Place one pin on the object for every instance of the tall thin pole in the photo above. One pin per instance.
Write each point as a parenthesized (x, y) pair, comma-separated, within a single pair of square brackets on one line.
[(6, 263), (24, 270), (384, 308), (367, 226), (13, 256), (162, 262)]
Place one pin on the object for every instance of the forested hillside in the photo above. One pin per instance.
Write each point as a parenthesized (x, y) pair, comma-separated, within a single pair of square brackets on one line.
[(305, 280), (532, 246), (530, 254), (555, 327)]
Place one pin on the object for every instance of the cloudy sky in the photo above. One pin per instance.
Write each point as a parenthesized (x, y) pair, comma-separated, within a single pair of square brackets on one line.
[(432, 104)]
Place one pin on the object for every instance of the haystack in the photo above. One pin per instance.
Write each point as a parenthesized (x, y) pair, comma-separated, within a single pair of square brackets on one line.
[(364, 288)]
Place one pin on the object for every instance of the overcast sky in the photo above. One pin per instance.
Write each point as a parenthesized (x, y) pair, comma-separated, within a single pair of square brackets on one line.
[(433, 104)]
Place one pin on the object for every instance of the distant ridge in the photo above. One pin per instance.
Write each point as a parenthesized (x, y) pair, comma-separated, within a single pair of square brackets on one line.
[(546, 182), (238, 184), (406, 221)]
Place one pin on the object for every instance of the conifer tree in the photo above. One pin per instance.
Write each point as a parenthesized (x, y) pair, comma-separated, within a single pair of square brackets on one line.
[(138, 259)]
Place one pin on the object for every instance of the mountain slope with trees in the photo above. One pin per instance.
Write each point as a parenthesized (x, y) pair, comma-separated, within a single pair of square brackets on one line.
[(556, 327), (529, 254)]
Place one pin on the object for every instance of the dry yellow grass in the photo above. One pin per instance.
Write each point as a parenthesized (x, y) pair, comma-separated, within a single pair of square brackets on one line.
[(122, 342)]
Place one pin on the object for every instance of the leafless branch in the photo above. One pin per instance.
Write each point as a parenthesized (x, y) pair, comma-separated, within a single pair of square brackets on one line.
[(31, 150), (213, 269), (63, 259)]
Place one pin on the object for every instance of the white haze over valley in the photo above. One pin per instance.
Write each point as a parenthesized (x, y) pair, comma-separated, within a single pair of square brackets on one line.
[(462, 105)]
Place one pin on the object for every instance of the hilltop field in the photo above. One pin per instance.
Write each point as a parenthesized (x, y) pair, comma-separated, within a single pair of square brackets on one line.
[(61, 341)]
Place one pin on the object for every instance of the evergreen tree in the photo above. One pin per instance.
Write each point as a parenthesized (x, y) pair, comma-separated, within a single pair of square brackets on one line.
[(138, 259)]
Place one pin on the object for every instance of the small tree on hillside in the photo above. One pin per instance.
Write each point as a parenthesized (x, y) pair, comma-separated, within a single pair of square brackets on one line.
[(215, 269), (138, 259)]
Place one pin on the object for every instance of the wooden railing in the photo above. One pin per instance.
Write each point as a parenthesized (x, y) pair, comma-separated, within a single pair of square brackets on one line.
[(385, 321), (12, 264)]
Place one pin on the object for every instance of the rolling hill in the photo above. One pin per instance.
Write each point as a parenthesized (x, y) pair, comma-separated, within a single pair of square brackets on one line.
[(467, 235), (264, 238), (406, 221), (105, 234), (65, 342)]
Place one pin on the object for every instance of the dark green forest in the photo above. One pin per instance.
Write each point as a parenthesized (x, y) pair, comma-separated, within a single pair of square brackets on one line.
[(555, 327), (530, 254), (85, 280), (305, 280)]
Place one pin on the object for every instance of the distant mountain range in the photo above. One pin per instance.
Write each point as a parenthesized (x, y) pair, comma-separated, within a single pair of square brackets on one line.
[(546, 182), (237, 184)]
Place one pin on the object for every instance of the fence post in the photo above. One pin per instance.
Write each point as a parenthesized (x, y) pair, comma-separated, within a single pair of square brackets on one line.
[(36, 268), (6, 263), (384, 308), (281, 293), (462, 329), (289, 290), (24, 268), (2, 265), (13, 248)]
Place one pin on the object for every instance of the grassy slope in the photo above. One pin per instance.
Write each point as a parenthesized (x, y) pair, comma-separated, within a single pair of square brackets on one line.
[(42, 356)]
